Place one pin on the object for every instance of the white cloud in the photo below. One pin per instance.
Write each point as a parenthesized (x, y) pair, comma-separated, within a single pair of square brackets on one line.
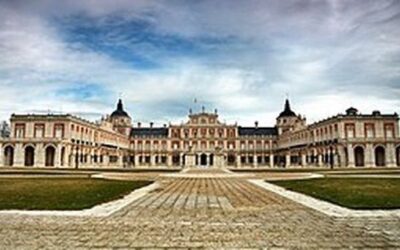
[(327, 55)]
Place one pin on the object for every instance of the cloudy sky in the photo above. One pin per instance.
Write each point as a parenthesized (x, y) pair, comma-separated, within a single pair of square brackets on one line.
[(241, 57)]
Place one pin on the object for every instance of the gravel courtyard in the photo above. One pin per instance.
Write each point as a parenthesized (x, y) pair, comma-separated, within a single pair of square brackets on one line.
[(201, 212)]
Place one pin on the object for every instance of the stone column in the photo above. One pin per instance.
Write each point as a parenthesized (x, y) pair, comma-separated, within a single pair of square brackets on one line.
[(106, 160), (287, 161), (67, 162), (320, 163), (169, 160), (1, 156), (189, 160), (350, 153), (120, 162), (369, 155), (136, 159), (238, 161), (152, 160), (57, 156), (342, 156), (19, 155), (271, 160), (255, 163), (390, 155), (303, 160)]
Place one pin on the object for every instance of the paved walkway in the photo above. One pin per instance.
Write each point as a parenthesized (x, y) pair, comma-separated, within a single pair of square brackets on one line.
[(203, 212)]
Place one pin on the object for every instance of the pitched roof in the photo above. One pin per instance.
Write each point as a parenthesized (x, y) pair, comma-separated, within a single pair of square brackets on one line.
[(257, 131), (149, 132)]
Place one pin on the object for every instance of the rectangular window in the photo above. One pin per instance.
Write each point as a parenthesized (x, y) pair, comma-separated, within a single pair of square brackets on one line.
[(19, 130), (58, 130), (350, 130), (369, 130), (39, 131), (389, 130)]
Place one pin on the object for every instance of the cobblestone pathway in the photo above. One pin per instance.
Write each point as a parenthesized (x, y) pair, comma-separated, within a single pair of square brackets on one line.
[(200, 213)]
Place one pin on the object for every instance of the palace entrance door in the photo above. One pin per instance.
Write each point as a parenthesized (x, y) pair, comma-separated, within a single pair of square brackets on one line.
[(203, 160)]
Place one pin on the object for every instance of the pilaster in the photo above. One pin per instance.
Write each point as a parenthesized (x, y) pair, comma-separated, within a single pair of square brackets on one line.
[(1, 155), (271, 160), (303, 160), (350, 154), (369, 155), (391, 155), (238, 161), (19, 155), (287, 161)]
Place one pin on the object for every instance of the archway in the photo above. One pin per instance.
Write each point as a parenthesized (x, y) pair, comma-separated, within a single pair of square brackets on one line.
[(29, 156), (398, 156), (9, 156), (231, 160), (50, 155), (211, 163), (359, 156), (380, 156), (176, 160), (203, 159)]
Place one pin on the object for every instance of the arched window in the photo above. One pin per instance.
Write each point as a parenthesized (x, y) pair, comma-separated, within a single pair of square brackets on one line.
[(379, 156), (29, 156), (359, 156), (9, 156), (50, 156)]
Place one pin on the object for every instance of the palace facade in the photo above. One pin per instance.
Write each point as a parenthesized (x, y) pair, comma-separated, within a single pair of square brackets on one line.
[(65, 141)]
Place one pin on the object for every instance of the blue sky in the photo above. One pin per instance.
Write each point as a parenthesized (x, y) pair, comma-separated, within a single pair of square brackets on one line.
[(241, 57)]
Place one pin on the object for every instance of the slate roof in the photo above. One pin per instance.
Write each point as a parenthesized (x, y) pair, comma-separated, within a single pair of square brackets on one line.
[(257, 131), (120, 110), (149, 132), (287, 112)]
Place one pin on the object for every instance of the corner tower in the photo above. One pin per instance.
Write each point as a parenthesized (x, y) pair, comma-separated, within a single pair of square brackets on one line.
[(120, 119), (288, 120)]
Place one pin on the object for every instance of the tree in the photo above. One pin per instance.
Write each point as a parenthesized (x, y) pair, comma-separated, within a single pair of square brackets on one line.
[(4, 129)]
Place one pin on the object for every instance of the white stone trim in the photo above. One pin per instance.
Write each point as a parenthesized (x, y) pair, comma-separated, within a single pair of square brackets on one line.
[(323, 206), (102, 210)]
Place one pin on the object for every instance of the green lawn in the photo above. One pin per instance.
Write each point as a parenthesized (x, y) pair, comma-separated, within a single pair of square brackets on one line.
[(357, 193), (61, 193)]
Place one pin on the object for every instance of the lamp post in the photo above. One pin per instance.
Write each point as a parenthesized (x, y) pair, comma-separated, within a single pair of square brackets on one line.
[(331, 156), (76, 156)]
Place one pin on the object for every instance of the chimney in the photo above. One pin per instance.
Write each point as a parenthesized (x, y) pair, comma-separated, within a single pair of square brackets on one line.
[(139, 124), (151, 124), (256, 124)]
